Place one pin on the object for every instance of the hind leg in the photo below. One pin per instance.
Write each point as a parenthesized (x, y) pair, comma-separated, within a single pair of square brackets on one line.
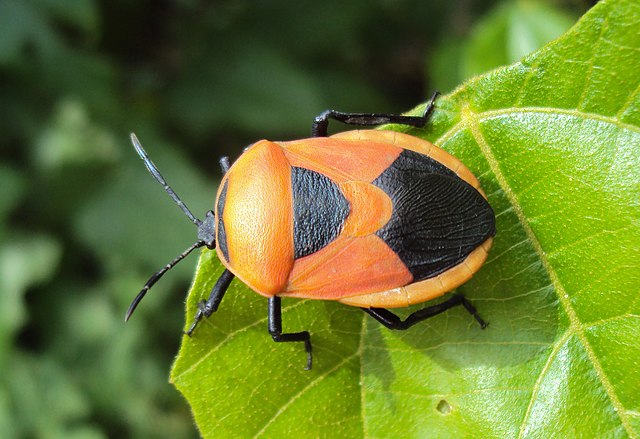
[(392, 321)]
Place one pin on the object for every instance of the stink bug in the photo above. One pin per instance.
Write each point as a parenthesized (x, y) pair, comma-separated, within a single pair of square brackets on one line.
[(373, 219)]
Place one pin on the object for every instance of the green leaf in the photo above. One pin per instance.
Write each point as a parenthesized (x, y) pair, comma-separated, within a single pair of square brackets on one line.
[(510, 31), (11, 191), (249, 103), (24, 262), (22, 23), (64, 142), (40, 385), (555, 141), (80, 13)]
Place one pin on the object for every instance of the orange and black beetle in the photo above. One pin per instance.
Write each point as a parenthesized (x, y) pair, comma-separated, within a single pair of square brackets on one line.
[(374, 219)]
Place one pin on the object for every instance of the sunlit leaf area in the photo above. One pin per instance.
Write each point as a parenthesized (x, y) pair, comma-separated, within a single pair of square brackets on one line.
[(540, 100)]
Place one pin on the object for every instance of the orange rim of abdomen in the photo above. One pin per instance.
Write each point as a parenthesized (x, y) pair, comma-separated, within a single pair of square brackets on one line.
[(425, 290)]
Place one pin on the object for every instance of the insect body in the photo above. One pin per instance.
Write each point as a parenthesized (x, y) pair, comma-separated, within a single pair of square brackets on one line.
[(373, 219)]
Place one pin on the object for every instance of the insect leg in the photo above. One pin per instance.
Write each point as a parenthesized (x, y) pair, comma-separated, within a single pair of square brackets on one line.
[(275, 329), (208, 307), (321, 122), (392, 321)]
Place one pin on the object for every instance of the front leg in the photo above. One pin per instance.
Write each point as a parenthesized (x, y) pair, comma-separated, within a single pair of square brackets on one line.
[(275, 329), (208, 307)]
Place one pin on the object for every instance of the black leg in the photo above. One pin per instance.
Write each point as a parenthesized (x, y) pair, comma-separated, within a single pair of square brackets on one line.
[(208, 307), (321, 123), (392, 321), (275, 329)]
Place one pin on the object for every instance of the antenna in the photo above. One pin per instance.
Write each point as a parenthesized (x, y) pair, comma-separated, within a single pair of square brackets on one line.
[(151, 167), (206, 228), (157, 276)]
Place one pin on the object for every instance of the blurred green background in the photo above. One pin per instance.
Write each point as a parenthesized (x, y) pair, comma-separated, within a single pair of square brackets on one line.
[(83, 225)]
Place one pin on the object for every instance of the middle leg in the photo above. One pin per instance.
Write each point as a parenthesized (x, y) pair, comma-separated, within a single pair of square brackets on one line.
[(275, 329)]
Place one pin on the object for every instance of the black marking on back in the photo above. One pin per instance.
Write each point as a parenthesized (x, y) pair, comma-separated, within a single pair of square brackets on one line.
[(437, 219), (222, 234), (319, 211)]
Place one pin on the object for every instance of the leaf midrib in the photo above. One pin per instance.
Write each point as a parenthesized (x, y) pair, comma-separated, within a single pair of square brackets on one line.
[(471, 121)]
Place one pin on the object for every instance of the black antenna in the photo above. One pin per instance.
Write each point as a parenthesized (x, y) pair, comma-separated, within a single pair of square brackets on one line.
[(206, 228), (152, 280), (158, 176)]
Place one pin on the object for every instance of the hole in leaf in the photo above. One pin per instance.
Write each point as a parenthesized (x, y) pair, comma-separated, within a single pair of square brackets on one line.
[(444, 407)]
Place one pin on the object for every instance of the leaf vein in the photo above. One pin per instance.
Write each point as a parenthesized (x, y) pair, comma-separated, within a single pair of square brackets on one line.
[(302, 391), (611, 319), (628, 102), (568, 245), (499, 255), (538, 383), (226, 340), (587, 79)]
